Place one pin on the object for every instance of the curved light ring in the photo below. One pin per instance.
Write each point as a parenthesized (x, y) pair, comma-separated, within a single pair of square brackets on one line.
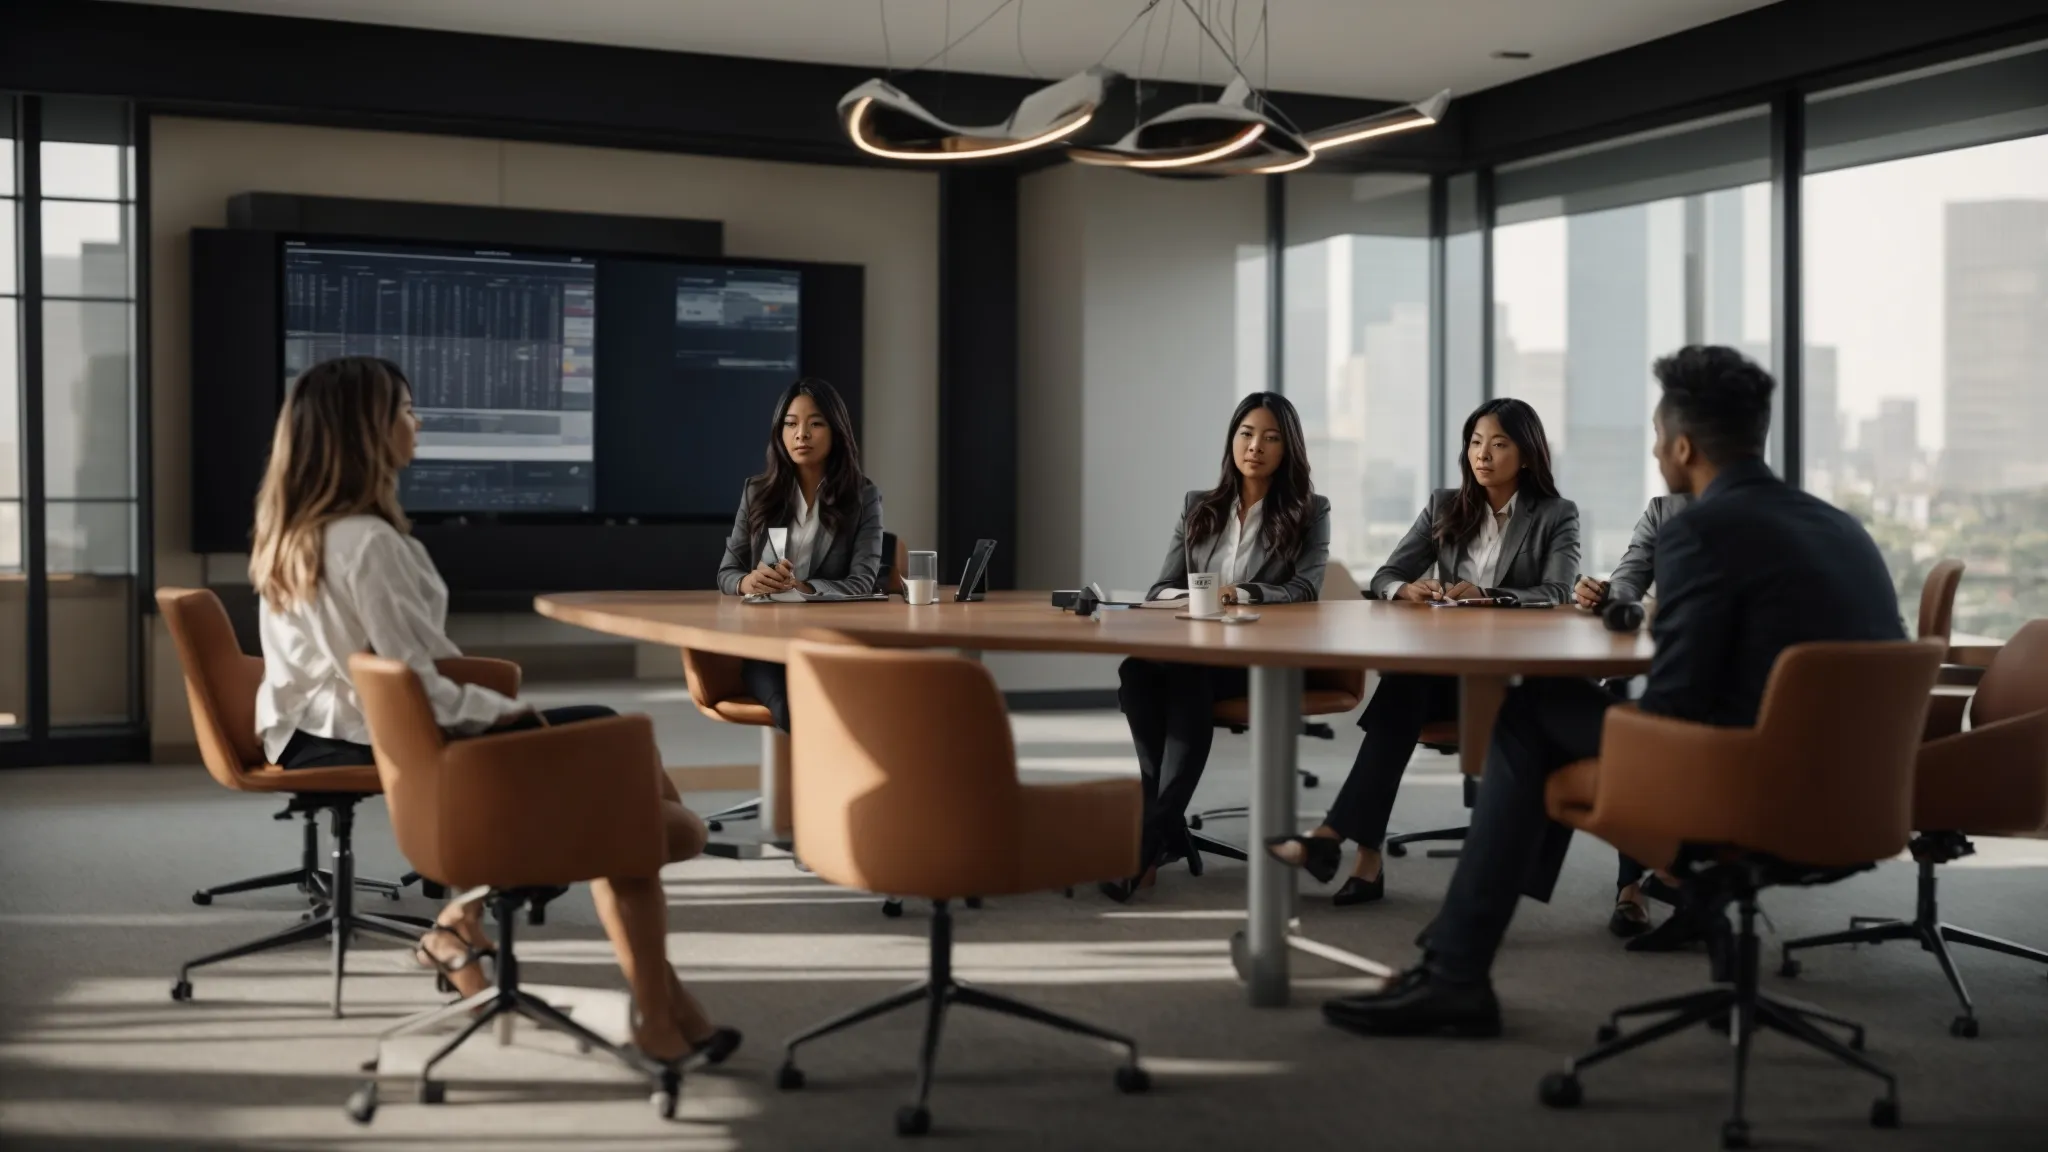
[(1284, 166), (856, 118), (1230, 147), (1421, 115), (1368, 133)]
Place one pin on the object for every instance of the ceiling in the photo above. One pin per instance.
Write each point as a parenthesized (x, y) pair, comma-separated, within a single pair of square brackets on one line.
[(1386, 49)]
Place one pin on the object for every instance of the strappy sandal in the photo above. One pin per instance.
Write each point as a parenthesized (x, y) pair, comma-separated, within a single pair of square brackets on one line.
[(443, 969), (1320, 855)]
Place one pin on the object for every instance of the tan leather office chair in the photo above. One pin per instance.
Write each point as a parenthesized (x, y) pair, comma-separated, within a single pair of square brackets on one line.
[(518, 813), (1819, 789), (1989, 781), (220, 683), (906, 782), (1938, 600)]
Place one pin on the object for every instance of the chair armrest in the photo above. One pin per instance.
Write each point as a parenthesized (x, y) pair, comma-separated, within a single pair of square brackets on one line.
[(1987, 781), (1675, 779), (556, 805), (1074, 833), (500, 676)]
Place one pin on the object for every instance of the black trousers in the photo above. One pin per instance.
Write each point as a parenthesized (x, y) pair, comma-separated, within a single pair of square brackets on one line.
[(768, 682), (1170, 708), (1393, 722), (307, 751), (1514, 848)]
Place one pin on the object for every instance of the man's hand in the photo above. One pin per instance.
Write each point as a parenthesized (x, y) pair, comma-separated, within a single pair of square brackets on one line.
[(1588, 592), (1420, 591)]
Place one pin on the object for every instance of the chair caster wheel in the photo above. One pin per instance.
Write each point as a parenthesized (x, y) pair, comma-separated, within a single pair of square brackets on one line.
[(433, 891), (1132, 1079), (182, 991), (913, 1121), (892, 908), (974, 902), (536, 916), (715, 825), (202, 898), (369, 1065), (1195, 865), (362, 1103), (1311, 780), (1195, 821), (583, 1047), (433, 1092), (1884, 1113), (1560, 1090), (1606, 1034), (1789, 968), (1397, 850), (789, 1078), (664, 1102), (1963, 1027), (1735, 1134)]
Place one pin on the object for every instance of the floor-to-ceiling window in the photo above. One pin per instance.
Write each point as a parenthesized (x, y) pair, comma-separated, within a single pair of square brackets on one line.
[(1356, 357), (70, 483), (1606, 258), (1926, 312)]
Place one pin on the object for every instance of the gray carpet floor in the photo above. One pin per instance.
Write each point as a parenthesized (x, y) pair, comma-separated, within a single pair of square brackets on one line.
[(96, 867)]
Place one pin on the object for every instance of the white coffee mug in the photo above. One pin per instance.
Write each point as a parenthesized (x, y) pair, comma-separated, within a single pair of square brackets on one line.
[(1204, 597)]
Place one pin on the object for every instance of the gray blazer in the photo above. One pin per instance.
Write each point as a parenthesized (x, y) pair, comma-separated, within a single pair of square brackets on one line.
[(845, 565), (1539, 555), (1274, 579), (1632, 577)]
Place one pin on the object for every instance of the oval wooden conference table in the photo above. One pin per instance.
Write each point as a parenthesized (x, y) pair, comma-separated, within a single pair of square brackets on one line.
[(1484, 648)]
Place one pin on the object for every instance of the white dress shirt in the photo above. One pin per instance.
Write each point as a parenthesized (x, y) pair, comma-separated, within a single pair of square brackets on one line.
[(803, 536), (1480, 566), (1233, 563), (378, 593)]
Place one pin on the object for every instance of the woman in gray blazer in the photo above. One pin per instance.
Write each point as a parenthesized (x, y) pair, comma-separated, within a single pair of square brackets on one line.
[(812, 486), (1504, 531), (1266, 534)]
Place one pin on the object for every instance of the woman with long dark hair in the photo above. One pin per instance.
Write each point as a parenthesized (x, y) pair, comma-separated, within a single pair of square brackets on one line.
[(813, 487), (339, 572), (1503, 531), (1266, 535)]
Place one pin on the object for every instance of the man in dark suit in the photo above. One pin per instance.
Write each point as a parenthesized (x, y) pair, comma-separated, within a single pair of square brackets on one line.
[(1753, 567)]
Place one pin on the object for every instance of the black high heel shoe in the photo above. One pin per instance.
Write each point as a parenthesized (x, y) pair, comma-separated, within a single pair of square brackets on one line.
[(1320, 855), (713, 1049), (1357, 891)]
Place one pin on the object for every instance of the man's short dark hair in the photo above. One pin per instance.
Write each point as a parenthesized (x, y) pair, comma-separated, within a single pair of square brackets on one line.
[(1718, 397)]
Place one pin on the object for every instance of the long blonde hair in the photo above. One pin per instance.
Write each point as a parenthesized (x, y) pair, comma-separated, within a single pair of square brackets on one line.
[(332, 456)]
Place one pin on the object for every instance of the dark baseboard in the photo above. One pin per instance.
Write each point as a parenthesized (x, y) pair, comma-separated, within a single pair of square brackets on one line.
[(1062, 700)]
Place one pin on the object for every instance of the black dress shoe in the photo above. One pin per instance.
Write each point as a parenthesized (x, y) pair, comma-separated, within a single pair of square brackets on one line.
[(714, 1049), (1320, 855), (1418, 1003), (1356, 891), (1677, 933), (1629, 920)]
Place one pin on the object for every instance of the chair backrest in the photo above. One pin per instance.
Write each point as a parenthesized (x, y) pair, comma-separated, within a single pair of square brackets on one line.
[(2016, 683), (903, 771), (1838, 736), (220, 682), (1938, 599), (1337, 582), (408, 744)]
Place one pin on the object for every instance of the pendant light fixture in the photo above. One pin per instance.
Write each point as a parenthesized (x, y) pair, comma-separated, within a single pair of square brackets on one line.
[(1233, 130), (883, 121)]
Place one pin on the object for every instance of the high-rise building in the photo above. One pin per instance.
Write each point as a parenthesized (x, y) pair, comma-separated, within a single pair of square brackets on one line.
[(1607, 373), (1890, 443), (1995, 379)]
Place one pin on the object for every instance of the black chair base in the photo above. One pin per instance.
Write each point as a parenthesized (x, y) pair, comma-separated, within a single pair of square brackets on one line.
[(1739, 1008), (316, 882), (507, 998), (1925, 929), (1398, 845), (938, 992), (333, 917)]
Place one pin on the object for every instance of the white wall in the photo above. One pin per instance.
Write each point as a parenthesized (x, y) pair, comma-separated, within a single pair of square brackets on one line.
[(1131, 324), (886, 220)]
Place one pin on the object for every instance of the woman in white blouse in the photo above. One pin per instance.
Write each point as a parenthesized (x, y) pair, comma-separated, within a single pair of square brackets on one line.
[(813, 488), (339, 573), (1504, 531), (1266, 535)]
